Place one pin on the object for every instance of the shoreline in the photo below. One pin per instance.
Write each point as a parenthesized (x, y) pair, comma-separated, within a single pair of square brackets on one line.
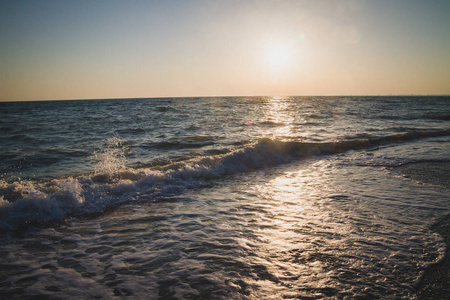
[(435, 282)]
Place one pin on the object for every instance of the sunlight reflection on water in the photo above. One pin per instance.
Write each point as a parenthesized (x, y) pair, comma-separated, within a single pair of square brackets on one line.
[(278, 117), (338, 225)]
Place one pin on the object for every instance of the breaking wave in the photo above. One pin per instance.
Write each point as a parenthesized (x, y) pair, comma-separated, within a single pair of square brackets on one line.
[(27, 203)]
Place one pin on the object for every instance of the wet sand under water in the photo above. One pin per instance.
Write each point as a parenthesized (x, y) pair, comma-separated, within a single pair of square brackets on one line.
[(436, 173), (435, 283)]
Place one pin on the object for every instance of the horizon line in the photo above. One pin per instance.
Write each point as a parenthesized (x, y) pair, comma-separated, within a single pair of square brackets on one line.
[(249, 96)]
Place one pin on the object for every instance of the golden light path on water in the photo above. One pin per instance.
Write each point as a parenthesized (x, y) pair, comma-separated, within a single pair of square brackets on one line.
[(279, 114), (289, 219), (291, 229)]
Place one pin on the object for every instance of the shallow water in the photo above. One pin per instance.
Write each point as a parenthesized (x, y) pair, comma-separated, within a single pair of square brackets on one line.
[(294, 215)]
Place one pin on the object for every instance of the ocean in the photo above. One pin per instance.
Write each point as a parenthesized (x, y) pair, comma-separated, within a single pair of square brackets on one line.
[(222, 197)]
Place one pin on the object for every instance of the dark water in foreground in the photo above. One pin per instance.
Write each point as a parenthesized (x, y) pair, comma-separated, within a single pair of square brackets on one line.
[(236, 198)]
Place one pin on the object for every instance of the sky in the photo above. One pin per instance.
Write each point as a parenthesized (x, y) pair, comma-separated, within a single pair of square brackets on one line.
[(89, 49)]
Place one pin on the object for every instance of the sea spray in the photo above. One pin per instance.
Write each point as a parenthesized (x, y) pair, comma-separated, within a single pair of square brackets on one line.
[(112, 158)]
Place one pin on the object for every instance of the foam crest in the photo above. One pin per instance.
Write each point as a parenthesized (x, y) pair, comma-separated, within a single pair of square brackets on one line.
[(38, 203)]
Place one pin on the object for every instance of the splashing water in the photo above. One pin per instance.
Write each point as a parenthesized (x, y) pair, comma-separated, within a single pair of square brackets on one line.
[(112, 158)]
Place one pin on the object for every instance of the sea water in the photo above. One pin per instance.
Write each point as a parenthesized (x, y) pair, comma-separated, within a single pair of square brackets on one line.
[(222, 198)]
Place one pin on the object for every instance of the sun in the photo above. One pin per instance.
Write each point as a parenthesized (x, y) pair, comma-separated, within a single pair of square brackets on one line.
[(279, 56)]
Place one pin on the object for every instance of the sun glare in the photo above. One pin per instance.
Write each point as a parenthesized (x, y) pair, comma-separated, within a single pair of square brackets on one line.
[(279, 56)]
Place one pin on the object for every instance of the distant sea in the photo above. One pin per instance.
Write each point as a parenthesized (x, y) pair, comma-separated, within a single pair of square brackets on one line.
[(222, 198)]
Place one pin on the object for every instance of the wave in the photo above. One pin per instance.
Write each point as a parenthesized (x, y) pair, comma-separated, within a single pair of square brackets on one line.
[(196, 141), (27, 203), (438, 116), (271, 124), (130, 131), (5, 129)]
